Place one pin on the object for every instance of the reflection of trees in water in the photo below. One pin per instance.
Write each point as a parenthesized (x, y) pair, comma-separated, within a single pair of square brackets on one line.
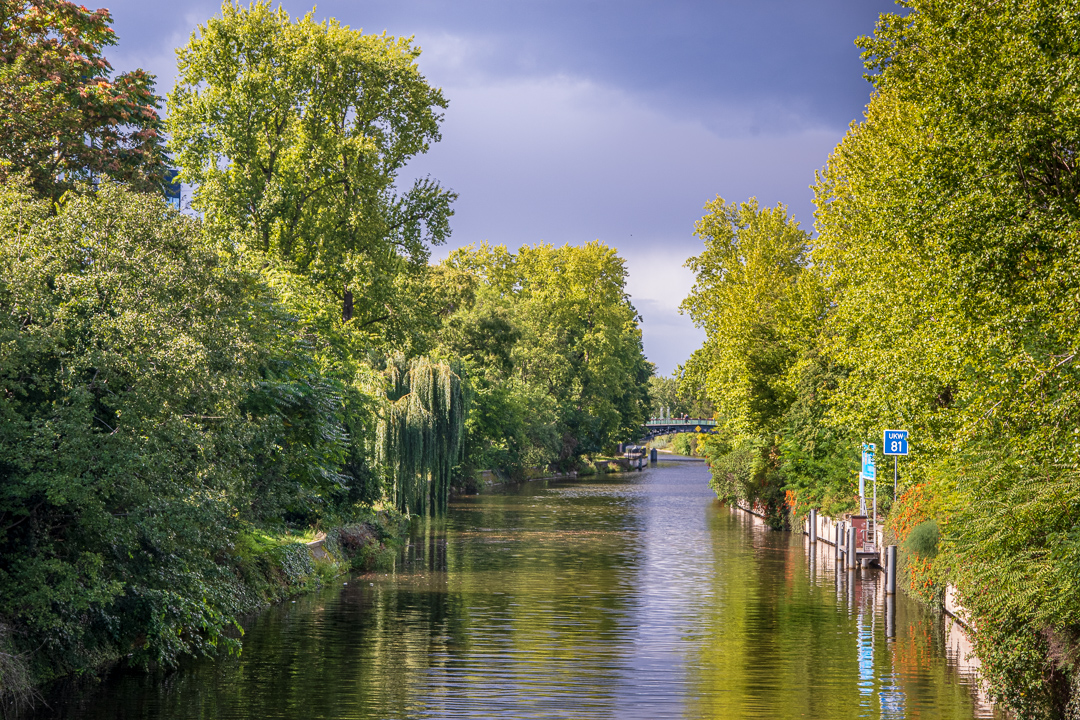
[(789, 636), (515, 602)]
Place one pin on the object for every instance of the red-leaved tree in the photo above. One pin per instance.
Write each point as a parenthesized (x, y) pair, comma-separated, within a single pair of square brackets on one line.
[(62, 119)]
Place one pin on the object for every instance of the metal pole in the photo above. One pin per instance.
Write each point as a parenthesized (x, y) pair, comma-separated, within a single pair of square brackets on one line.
[(813, 527), (851, 557), (890, 571), (895, 458)]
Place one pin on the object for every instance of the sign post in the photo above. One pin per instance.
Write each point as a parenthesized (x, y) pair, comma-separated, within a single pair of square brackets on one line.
[(868, 472), (894, 442)]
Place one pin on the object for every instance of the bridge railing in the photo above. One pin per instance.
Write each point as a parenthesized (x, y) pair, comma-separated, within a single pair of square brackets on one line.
[(663, 422)]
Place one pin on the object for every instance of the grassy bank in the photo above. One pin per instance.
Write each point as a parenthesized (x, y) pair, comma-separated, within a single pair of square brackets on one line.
[(263, 568)]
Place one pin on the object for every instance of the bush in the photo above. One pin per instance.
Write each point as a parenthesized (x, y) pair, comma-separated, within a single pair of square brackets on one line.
[(156, 403), (923, 539)]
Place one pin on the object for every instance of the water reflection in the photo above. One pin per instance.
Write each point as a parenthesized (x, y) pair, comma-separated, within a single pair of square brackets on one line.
[(626, 597)]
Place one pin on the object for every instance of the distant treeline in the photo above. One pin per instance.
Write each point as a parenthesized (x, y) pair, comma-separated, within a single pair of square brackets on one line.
[(941, 295), (182, 391)]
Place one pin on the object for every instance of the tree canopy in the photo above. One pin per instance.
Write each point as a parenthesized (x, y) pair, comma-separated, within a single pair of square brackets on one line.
[(948, 226), (62, 119), (294, 134), (940, 295), (566, 336)]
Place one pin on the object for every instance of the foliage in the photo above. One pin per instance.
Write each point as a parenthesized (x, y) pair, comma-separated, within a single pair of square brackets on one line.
[(912, 508), (815, 454), (125, 446), (964, 329), (181, 392), (294, 133), (553, 350), (420, 438), (760, 309), (923, 539), (1014, 552), (62, 119), (685, 444), (745, 293), (664, 398), (678, 395), (157, 408)]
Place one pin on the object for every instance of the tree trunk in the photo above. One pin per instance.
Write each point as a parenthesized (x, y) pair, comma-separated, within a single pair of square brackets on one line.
[(347, 306)]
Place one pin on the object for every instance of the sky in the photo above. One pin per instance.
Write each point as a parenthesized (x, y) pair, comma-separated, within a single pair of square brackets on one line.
[(576, 120)]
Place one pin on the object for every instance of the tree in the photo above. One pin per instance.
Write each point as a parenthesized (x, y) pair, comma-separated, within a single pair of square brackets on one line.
[(947, 225), (664, 397), (581, 339), (678, 395), (554, 352), (62, 120), (420, 437), (746, 297), (294, 134), (130, 349), (761, 309)]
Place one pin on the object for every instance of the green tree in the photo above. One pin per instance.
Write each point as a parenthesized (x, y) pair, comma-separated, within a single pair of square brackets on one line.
[(130, 350), (294, 134), (555, 350), (947, 225), (62, 119), (421, 434), (760, 309), (664, 397), (581, 336), (746, 296)]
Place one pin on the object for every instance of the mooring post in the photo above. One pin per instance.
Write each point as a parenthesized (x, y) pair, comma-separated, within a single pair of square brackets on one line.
[(852, 560), (839, 540), (890, 571), (813, 527)]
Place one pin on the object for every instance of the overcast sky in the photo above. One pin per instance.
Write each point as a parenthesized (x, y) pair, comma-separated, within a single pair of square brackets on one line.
[(576, 120)]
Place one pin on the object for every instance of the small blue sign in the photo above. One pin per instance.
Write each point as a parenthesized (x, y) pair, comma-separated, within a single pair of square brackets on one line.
[(868, 469), (895, 442)]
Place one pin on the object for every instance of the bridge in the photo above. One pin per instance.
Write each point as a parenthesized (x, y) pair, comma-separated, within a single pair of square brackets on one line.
[(668, 426)]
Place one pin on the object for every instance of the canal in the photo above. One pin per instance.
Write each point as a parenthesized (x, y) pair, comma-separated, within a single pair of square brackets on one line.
[(620, 596)]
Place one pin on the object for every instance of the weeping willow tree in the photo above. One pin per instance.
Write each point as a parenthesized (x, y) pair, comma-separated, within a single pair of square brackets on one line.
[(420, 435)]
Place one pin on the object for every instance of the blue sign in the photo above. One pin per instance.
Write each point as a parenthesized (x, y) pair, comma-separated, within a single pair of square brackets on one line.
[(868, 469), (895, 442)]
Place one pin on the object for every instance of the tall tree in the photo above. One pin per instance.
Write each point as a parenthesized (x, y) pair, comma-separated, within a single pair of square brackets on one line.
[(62, 119), (947, 223), (580, 344), (294, 134), (747, 298)]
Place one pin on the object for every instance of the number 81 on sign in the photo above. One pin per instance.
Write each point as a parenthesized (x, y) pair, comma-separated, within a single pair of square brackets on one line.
[(895, 442)]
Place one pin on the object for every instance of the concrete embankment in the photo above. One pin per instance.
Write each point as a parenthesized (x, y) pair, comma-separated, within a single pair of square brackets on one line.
[(825, 530)]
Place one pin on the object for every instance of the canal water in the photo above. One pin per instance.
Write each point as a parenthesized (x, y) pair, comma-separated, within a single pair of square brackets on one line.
[(623, 596)]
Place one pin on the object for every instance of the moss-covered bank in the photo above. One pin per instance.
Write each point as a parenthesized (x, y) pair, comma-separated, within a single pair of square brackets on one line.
[(263, 569)]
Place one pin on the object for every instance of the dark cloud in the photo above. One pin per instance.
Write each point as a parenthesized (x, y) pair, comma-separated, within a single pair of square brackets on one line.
[(788, 57), (573, 120)]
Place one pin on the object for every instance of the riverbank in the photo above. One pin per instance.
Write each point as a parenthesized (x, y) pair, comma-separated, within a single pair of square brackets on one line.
[(262, 570), (600, 465)]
